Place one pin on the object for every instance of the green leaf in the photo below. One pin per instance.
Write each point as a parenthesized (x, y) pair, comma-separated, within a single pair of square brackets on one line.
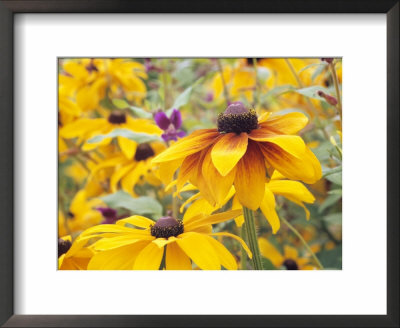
[(318, 71), (182, 99), (329, 201), (141, 205), (312, 92), (140, 112), (139, 137), (336, 178), (329, 171), (137, 111), (334, 218), (335, 192)]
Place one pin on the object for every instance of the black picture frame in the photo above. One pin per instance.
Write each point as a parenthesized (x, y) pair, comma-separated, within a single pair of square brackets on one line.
[(7, 11)]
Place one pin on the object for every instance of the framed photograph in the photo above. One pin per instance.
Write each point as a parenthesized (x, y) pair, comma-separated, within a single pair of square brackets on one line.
[(215, 164)]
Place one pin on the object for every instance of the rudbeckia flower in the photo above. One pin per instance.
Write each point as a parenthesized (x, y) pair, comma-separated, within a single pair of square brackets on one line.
[(86, 128), (294, 191), (82, 213), (241, 152), (289, 260), (139, 243), (72, 258), (130, 170)]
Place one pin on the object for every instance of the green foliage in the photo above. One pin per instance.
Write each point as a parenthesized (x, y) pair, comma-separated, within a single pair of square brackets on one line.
[(142, 205), (331, 259), (137, 111), (139, 137)]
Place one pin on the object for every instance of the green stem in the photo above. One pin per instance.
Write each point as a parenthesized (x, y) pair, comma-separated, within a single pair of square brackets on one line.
[(243, 256), (252, 237), (294, 230)]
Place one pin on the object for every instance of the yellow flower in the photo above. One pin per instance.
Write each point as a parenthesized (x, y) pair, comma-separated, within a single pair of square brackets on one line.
[(292, 190), (86, 128), (129, 171), (290, 259), (72, 258), (123, 247), (82, 213), (88, 79), (240, 153)]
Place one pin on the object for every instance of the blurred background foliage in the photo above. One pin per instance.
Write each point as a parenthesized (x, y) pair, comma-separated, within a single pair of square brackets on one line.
[(200, 88)]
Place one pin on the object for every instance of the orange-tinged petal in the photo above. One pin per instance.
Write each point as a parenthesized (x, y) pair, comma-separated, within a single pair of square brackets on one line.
[(176, 259), (149, 258), (268, 209), (218, 185), (188, 169), (293, 145), (199, 249), (250, 177), (191, 144), (307, 168), (228, 150)]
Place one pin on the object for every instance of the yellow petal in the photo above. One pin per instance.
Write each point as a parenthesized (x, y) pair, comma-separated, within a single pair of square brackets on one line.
[(176, 259), (199, 249), (290, 252), (121, 258), (167, 170), (110, 162), (129, 181), (212, 219), (270, 252), (268, 209), (264, 117), (149, 258), (191, 144), (286, 124), (307, 168), (136, 220), (240, 240), (293, 145), (111, 228), (119, 174), (294, 191), (200, 206), (161, 242), (128, 146), (225, 257), (218, 185), (188, 169), (81, 127), (227, 151), (250, 177), (105, 244)]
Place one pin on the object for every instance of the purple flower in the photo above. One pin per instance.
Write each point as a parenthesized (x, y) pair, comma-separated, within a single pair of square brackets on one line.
[(109, 214), (170, 125)]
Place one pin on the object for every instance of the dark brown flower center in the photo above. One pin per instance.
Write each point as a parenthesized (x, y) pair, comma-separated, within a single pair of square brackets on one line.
[(63, 246), (237, 119), (290, 264), (166, 227), (117, 118), (143, 152)]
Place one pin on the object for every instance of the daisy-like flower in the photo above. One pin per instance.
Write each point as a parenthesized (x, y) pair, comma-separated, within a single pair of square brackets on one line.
[(72, 258), (289, 260), (86, 128), (294, 191), (171, 125), (139, 243), (241, 152), (128, 171)]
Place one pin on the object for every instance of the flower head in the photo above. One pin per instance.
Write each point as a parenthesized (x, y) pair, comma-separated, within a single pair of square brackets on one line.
[(170, 125), (139, 243), (241, 152)]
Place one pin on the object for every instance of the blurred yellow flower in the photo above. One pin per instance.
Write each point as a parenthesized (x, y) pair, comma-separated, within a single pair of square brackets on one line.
[(72, 257)]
